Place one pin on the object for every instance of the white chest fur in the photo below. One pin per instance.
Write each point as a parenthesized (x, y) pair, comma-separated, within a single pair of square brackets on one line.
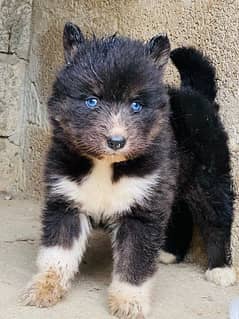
[(98, 197)]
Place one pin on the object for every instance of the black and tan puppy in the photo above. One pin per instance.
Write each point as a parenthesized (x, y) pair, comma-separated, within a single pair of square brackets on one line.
[(121, 160)]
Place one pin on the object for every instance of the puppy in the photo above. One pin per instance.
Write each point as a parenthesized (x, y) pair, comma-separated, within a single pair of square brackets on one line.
[(134, 157)]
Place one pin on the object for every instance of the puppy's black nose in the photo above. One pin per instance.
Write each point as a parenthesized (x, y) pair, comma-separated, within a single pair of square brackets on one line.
[(116, 142)]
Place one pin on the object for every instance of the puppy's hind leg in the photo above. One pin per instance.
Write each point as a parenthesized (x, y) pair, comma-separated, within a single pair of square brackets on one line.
[(215, 220), (178, 234), (219, 256), (64, 239)]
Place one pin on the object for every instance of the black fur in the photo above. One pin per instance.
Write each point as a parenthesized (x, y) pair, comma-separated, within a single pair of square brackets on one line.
[(178, 135), (138, 240), (205, 192), (196, 71), (60, 222)]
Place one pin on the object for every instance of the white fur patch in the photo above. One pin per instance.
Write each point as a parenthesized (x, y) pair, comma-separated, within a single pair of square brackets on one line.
[(98, 197), (65, 261), (129, 301), (224, 276), (167, 258)]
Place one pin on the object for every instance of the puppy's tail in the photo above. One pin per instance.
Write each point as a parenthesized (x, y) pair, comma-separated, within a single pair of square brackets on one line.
[(196, 71)]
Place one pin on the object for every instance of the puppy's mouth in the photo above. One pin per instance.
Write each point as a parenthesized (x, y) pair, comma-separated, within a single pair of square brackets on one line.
[(116, 156)]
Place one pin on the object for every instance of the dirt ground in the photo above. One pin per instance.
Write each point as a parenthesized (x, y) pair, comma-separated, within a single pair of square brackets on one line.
[(180, 291)]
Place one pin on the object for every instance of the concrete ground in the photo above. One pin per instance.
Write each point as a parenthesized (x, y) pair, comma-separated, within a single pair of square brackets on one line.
[(180, 292)]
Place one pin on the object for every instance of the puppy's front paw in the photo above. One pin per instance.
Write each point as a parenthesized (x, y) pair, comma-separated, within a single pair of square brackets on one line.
[(124, 308), (45, 290), (222, 276), (128, 301)]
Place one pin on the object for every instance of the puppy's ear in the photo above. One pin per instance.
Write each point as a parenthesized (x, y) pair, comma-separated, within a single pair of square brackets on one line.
[(159, 49), (72, 38)]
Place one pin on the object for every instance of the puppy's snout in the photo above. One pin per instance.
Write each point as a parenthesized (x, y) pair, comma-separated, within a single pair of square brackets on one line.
[(116, 142)]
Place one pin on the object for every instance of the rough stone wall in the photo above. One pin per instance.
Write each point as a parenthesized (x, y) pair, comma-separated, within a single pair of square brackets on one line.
[(211, 25), (15, 22)]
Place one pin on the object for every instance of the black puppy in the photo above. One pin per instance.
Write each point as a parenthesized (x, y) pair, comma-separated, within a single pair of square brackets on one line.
[(121, 160)]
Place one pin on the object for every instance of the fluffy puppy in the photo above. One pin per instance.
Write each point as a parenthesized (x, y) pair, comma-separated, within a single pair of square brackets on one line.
[(114, 162)]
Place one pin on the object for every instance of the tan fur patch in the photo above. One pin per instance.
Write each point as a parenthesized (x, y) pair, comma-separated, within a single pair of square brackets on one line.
[(117, 125), (155, 131), (197, 253), (114, 158), (45, 290)]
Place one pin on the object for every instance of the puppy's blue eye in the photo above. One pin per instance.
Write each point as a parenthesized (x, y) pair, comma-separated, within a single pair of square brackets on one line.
[(136, 107), (91, 102)]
